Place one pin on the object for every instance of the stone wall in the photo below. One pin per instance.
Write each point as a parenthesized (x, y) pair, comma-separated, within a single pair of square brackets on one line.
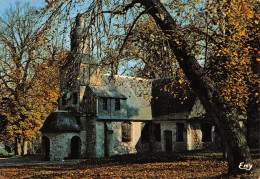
[(100, 137), (90, 124), (112, 142), (195, 137), (60, 145), (88, 102), (171, 126)]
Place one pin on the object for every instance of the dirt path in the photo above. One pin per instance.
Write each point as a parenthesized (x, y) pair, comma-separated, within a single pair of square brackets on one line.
[(33, 160)]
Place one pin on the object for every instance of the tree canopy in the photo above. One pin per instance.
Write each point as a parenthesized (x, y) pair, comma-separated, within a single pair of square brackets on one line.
[(29, 73)]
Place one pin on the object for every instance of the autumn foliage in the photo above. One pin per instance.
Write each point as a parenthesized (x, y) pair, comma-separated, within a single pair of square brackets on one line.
[(231, 65), (29, 76)]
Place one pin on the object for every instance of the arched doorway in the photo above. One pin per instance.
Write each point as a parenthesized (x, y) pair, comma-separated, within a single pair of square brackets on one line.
[(45, 148), (75, 147), (168, 141)]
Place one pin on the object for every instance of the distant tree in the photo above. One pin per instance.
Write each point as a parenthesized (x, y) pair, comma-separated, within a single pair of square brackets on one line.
[(29, 73)]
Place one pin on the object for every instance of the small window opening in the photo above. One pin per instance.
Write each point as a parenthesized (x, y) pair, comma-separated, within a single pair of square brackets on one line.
[(75, 98), (180, 129)]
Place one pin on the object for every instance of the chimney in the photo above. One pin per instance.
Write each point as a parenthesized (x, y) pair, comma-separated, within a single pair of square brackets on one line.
[(76, 33)]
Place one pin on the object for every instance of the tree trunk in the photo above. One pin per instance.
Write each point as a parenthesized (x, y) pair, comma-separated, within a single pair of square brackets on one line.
[(33, 147), (253, 118), (18, 146), (25, 147), (224, 116), (253, 122)]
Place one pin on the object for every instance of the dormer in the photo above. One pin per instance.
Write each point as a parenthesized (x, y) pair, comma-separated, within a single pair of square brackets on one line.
[(108, 104)]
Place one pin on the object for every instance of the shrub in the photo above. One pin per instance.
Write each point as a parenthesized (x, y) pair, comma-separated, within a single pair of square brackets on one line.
[(4, 153)]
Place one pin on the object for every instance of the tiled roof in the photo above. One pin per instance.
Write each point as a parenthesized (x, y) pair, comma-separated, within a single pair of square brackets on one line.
[(165, 104), (60, 121), (103, 91)]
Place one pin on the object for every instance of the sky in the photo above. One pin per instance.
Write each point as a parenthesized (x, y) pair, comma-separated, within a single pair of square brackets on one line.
[(5, 4)]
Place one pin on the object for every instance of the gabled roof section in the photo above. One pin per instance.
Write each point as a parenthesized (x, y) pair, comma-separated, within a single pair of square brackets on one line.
[(174, 116), (61, 121), (197, 110), (105, 92)]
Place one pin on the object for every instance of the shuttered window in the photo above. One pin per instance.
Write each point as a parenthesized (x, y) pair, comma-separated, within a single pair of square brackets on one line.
[(206, 132), (157, 132), (117, 104), (145, 134), (180, 129), (105, 104), (126, 131)]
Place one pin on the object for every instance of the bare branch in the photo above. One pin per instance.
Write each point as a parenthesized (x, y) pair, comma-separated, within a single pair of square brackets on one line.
[(130, 30), (123, 11)]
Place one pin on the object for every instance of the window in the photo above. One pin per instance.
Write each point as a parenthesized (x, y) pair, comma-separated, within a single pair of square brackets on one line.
[(157, 132), (180, 129), (117, 104), (126, 131), (206, 132), (75, 98), (145, 134), (105, 104), (63, 99)]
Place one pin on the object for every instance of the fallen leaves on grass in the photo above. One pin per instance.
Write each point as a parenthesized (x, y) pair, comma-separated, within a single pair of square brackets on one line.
[(129, 166)]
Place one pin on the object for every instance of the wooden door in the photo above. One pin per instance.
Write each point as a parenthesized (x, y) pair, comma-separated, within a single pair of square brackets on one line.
[(75, 147), (45, 148)]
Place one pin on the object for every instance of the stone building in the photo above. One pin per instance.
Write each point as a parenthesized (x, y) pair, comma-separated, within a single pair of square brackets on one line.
[(102, 115)]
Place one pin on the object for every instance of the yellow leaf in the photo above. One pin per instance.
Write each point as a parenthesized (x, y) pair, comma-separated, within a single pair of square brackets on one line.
[(242, 33), (249, 16)]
